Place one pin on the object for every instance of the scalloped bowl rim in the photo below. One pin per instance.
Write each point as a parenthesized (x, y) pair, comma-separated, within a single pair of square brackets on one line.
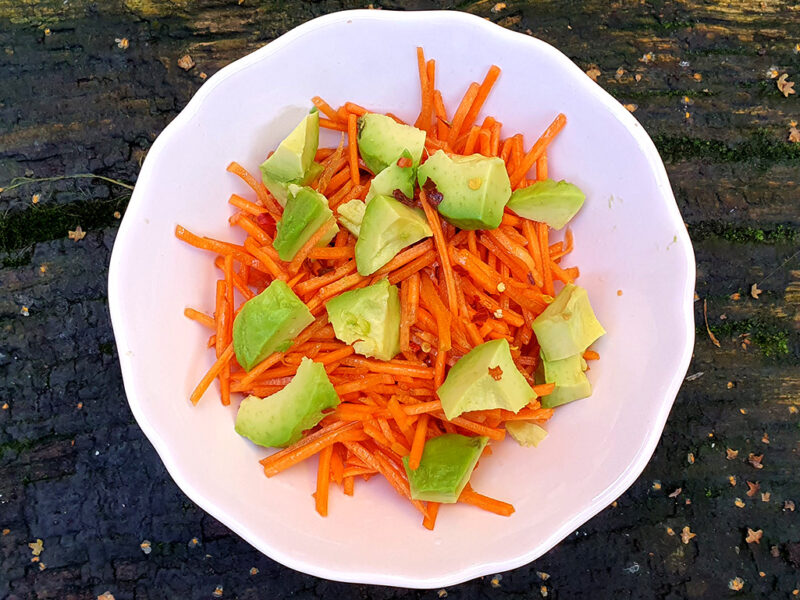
[(162, 446)]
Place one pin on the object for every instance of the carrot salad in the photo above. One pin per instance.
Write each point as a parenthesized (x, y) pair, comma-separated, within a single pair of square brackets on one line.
[(458, 289)]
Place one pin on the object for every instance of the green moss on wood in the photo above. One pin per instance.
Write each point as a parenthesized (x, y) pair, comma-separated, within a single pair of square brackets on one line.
[(770, 337), (760, 147), (23, 228), (743, 234)]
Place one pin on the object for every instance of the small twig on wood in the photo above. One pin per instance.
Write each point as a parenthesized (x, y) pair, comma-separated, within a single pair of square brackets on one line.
[(20, 181)]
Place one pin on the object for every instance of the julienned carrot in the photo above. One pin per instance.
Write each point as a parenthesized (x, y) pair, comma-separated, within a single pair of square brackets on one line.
[(424, 119), (480, 97), (201, 318), (212, 373), (247, 206), (315, 283), (323, 480), (461, 113), (544, 389), (331, 124), (442, 124), (334, 253), (325, 108), (441, 246), (588, 355), (541, 167), (544, 251), (420, 434), (259, 252), (469, 496), (538, 149), (429, 522), (352, 142), (263, 195)]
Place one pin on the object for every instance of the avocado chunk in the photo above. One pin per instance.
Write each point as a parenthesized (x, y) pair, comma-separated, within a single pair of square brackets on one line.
[(569, 377), (474, 188), (306, 211), (268, 323), (485, 378), (279, 420), (351, 214), (280, 189), (293, 158), (568, 325), (526, 433), (394, 178), (382, 140), (388, 226), (446, 466), (368, 318), (548, 201)]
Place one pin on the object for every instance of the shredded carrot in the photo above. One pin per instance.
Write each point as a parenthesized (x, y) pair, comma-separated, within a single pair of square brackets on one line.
[(323, 480), (200, 317), (441, 247), (538, 149), (306, 248), (212, 373), (418, 446), (469, 496), (263, 195), (429, 522), (460, 116), (325, 108), (352, 142), (480, 97)]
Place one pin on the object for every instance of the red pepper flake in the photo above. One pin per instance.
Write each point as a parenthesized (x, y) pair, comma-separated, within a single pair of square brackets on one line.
[(496, 373), (404, 162)]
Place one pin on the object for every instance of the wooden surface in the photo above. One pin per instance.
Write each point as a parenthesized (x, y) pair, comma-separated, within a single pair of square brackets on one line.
[(77, 473)]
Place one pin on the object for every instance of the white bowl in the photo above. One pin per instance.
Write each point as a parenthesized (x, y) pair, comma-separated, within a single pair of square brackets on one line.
[(629, 236)]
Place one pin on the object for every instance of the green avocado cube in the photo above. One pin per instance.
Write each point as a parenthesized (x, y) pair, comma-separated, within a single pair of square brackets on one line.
[(446, 466), (268, 323), (369, 319), (485, 378), (306, 211), (280, 189), (570, 379), (351, 214), (568, 325), (548, 201), (526, 433), (382, 140), (279, 420), (388, 226), (474, 189), (393, 178), (293, 159)]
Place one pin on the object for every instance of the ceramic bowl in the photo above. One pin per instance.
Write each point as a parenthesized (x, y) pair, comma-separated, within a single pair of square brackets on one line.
[(631, 245)]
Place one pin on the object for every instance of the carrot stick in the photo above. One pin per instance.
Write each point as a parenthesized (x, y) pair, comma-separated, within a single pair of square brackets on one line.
[(544, 250), (418, 446), (306, 248), (405, 316), (325, 108), (200, 317), (535, 250), (325, 253), (247, 206), (411, 268), (355, 109), (323, 480), (274, 269), (543, 389), (429, 522), (459, 118), (422, 408), (498, 507), (349, 485), (310, 445), (480, 98), (538, 149), (441, 246), (263, 195), (315, 283), (442, 124), (490, 432), (330, 124), (424, 84), (362, 384), (352, 141), (541, 168), (472, 139), (588, 355), (260, 368), (212, 373), (563, 275)]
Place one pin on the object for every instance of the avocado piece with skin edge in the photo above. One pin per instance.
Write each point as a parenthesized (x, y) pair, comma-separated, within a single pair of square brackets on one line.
[(474, 189), (445, 468), (305, 212), (570, 378), (279, 420), (268, 323), (392, 178), (369, 319), (548, 201), (382, 140), (388, 226), (293, 159), (485, 378), (568, 325)]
